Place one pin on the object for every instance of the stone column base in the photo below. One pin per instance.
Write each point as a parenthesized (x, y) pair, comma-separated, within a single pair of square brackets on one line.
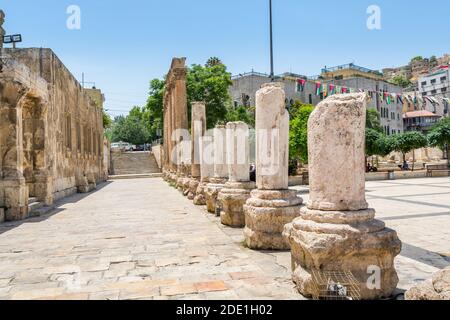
[(211, 193), (185, 186), (233, 198), (200, 198), (193, 185), (173, 179), (350, 241), (266, 214)]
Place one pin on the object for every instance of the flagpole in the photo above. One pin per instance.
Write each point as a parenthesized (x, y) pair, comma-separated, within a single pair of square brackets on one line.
[(272, 78)]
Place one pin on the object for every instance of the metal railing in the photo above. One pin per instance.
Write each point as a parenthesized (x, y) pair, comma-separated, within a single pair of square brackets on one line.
[(351, 66)]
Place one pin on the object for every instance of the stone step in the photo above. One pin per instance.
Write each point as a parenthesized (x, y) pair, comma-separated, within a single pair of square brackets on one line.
[(34, 206), (135, 176), (134, 163), (32, 199), (40, 212)]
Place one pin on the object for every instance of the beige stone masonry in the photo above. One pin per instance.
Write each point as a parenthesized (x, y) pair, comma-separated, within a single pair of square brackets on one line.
[(337, 231), (272, 206)]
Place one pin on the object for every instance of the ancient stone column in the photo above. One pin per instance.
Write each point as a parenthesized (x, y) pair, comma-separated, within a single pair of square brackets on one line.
[(272, 205), (198, 128), (337, 230), (237, 190), (220, 169), (206, 168)]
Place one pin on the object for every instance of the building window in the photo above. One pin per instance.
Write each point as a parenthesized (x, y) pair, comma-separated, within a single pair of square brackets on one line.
[(310, 99), (424, 93), (433, 81), (433, 91), (424, 84), (444, 89), (443, 79)]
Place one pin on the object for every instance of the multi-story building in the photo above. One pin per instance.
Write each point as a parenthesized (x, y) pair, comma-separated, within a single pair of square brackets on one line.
[(435, 90), (350, 77), (421, 121)]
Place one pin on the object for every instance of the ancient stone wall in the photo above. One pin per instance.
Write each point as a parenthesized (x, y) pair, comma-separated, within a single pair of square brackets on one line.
[(52, 132)]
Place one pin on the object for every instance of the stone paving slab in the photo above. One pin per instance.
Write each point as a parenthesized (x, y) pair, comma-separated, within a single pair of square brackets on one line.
[(140, 239), (133, 239)]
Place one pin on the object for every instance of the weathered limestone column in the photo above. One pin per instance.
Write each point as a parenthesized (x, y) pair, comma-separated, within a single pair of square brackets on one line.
[(206, 168), (237, 190), (220, 169), (198, 128), (175, 112), (337, 230), (272, 205)]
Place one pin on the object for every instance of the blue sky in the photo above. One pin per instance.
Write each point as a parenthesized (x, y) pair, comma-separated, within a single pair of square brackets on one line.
[(124, 44)]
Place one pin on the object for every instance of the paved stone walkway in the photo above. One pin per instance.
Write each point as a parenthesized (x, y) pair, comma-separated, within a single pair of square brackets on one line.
[(134, 239), (140, 239)]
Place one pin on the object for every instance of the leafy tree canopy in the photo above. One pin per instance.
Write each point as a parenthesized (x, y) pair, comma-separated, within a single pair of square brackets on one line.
[(401, 81), (241, 113), (409, 141), (210, 84), (298, 134), (132, 129), (439, 136), (373, 120)]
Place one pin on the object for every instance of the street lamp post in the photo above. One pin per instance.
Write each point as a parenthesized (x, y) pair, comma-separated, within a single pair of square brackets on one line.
[(271, 43)]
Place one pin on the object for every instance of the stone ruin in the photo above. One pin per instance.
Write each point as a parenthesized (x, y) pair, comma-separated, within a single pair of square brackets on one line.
[(220, 177), (272, 205), (198, 129), (175, 120), (51, 133), (336, 230), (237, 190), (206, 168)]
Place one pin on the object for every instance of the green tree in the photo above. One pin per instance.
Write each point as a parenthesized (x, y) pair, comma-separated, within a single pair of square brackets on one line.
[(409, 141), (213, 61), (373, 120), (401, 81), (439, 136), (373, 142), (298, 133), (417, 58), (241, 113), (210, 83), (132, 128), (154, 109)]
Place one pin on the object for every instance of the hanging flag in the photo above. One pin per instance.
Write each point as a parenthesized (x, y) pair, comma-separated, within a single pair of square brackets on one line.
[(318, 88), (344, 90), (399, 99), (301, 83), (332, 89), (388, 98)]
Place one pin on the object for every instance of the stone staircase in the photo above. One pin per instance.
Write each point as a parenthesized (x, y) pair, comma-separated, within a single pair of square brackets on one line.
[(36, 208), (134, 165)]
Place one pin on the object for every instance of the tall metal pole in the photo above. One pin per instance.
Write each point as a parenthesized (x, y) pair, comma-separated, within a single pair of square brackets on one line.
[(271, 44)]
